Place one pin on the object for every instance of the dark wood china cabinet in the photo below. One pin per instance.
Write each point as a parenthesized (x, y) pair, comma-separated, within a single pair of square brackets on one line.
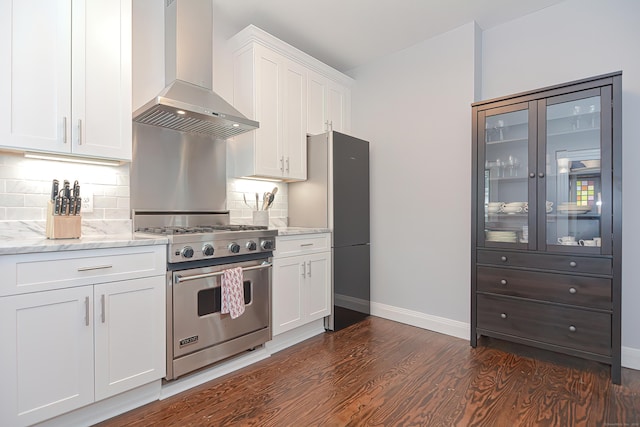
[(547, 221)]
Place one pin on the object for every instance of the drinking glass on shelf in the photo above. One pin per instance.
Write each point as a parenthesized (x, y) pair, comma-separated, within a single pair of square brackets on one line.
[(576, 112)]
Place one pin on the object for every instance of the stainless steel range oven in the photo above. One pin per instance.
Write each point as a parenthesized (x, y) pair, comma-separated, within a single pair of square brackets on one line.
[(200, 249)]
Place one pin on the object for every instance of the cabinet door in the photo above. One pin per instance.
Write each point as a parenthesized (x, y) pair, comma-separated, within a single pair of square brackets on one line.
[(506, 193), (317, 108), (129, 334), (35, 74), (577, 131), (295, 121), (46, 356), (101, 119), (317, 288), (269, 154), (288, 277), (338, 107)]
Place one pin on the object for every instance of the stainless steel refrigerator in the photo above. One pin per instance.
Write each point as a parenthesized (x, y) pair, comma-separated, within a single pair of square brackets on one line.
[(336, 196)]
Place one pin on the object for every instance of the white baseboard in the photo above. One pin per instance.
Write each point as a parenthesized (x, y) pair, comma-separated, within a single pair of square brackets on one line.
[(631, 358), (295, 336), (108, 408), (454, 328), (442, 325), (223, 368)]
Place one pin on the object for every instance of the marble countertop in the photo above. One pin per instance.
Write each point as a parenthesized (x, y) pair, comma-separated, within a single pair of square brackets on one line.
[(21, 237), (291, 231)]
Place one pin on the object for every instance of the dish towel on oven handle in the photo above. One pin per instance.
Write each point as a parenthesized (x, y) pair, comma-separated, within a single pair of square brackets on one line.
[(232, 290)]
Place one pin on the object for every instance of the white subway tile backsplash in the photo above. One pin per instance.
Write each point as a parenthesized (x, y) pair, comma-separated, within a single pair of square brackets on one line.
[(242, 213), (25, 187)]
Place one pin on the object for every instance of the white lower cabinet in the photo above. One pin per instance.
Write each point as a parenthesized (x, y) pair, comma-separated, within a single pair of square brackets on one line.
[(301, 281), (129, 334), (65, 348)]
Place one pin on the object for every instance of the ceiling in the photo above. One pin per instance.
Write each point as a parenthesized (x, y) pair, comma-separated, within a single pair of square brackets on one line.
[(346, 34)]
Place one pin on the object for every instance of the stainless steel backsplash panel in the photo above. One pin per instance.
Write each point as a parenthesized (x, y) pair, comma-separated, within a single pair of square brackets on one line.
[(176, 171)]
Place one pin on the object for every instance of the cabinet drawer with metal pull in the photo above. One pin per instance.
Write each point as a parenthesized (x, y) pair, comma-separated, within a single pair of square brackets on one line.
[(568, 263), (547, 323), (301, 244), (54, 270), (585, 291)]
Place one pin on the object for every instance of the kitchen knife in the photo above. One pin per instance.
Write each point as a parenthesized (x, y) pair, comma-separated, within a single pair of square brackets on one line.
[(54, 189), (77, 200), (64, 203), (57, 204)]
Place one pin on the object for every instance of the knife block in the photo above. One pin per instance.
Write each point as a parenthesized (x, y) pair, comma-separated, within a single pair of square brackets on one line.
[(62, 226)]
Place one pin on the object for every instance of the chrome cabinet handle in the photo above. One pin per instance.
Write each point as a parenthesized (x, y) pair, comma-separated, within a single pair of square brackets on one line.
[(503, 281), (503, 315), (104, 313), (180, 278), (79, 131), (86, 311), (572, 290), (302, 245), (287, 164), (532, 175), (573, 264), (304, 269), (309, 269), (503, 258), (572, 328), (282, 164), (64, 130), (95, 267)]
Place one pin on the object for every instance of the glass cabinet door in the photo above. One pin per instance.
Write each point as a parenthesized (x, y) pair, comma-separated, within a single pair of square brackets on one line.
[(503, 168), (577, 195)]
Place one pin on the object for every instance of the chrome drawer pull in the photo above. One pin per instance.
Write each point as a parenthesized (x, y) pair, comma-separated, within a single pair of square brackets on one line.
[(503, 315), (302, 245), (572, 328), (86, 311), (572, 290), (503, 258), (503, 281), (573, 264), (95, 267)]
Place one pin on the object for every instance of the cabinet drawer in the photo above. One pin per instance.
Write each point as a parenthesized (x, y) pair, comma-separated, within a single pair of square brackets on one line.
[(567, 327), (592, 292), (569, 263), (54, 270), (302, 244)]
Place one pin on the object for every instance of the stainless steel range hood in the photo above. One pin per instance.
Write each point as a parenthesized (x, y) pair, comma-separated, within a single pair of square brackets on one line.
[(188, 104)]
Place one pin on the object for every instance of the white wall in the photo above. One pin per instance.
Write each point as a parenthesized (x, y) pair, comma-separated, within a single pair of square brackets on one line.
[(573, 40), (414, 108)]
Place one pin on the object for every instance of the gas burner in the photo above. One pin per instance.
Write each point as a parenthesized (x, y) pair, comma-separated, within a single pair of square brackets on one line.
[(208, 237)]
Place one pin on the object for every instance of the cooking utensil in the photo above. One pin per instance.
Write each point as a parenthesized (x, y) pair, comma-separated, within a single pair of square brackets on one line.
[(265, 201), (244, 197), (257, 197), (271, 198)]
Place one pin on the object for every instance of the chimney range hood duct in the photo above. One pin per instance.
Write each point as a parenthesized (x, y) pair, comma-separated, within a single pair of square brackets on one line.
[(188, 104)]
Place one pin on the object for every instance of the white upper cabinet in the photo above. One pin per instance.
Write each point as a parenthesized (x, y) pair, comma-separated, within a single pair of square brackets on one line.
[(328, 106), (66, 84), (291, 95)]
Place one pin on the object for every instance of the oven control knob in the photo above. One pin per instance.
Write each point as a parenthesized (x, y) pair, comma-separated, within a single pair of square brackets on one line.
[(251, 245), (187, 252), (234, 247), (207, 250), (266, 245)]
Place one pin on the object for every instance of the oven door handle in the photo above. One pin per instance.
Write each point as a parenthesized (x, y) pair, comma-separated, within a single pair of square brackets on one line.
[(180, 278)]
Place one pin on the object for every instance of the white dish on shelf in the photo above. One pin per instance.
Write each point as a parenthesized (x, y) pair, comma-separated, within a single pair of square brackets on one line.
[(512, 209)]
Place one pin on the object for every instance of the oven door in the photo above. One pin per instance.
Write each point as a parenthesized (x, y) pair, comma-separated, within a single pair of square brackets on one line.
[(197, 321)]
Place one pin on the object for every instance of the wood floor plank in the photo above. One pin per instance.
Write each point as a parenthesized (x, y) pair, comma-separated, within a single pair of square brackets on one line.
[(383, 373)]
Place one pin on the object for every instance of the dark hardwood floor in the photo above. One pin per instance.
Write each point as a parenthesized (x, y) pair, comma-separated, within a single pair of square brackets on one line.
[(383, 373)]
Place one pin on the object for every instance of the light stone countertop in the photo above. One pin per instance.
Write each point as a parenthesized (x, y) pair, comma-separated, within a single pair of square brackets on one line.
[(291, 231), (21, 237)]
